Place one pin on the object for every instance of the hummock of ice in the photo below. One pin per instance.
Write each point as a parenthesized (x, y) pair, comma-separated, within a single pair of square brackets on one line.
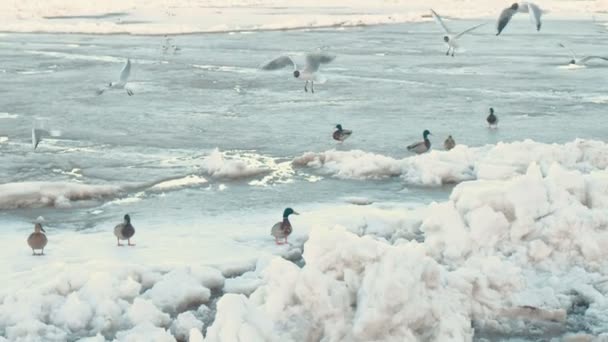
[(517, 255), (500, 256), (132, 305), (501, 161)]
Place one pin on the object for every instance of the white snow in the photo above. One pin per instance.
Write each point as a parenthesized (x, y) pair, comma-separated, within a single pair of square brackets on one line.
[(501, 161), (221, 165), (184, 16), (177, 291), (58, 194), (184, 323), (179, 183)]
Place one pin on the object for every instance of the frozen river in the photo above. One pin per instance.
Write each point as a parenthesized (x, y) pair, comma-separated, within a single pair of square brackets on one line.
[(209, 143)]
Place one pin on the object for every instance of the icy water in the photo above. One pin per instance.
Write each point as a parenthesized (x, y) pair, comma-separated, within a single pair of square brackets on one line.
[(388, 84)]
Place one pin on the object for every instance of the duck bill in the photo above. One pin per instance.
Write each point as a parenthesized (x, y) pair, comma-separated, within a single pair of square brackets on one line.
[(296, 213)]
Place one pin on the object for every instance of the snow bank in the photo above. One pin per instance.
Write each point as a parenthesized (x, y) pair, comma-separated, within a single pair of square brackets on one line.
[(182, 16), (177, 291), (191, 180), (101, 305), (501, 161), (183, 324), (514, 256), (222, 165), (518, 251), (58, 194)]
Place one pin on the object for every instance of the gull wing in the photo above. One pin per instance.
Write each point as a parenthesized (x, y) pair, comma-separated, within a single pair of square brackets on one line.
[(126, 71), (37, 135), (535, 13), (503, 19), (314, 60), (438, 19), (571, 52), (467, 30), (585, 59), (279, 63)]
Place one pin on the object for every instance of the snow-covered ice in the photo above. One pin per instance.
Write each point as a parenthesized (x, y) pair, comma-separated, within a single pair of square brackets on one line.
[(501, 254), (500, 238)]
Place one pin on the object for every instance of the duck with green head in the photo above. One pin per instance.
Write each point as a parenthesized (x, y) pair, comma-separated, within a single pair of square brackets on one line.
[(422, 146), (281, 230), (124, 231), (341, 134)]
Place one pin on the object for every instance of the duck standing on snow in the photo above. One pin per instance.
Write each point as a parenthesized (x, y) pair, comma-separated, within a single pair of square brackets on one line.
[(124, 231), (422, 146), (449, 143), (281, 230), (341, 134), (37, 240), (492, 119)]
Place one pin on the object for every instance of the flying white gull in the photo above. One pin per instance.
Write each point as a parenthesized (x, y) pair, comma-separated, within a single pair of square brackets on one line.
[(582, 60), (122, 83), (450, 38), (522, 7), (309, 73)]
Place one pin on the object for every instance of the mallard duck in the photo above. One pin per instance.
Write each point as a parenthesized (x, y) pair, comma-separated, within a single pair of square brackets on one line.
[(492, 119), (37, 240), (124, 231), (422, 146), (281, 230), (449, 143), (341, 134)]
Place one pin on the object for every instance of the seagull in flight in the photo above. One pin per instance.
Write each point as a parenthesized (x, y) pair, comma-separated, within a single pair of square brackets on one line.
[(39, 133), (122, 84), (582, 60), (522, 7), (450, 38), (309, 73)]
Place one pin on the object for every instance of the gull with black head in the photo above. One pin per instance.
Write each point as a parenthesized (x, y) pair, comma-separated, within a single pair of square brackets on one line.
[(310, 71)]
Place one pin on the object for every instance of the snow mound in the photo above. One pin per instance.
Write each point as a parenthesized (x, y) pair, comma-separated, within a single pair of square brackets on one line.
[(58, 194), (183, 324), (145, 332), (518, 256), (100, 306), (501, 161), (177, 291), (223, 165)]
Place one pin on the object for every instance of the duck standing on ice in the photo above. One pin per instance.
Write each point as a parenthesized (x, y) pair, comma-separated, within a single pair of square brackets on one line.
[(37, 240), (449, 143), (422, 146), (341, 134), (124, 231), (281, 230)]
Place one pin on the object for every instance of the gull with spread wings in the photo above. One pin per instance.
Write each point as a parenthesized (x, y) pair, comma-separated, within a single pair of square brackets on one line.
[(122, 83), (522, 7), (580, 61), (450, 38), (309, 73)]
